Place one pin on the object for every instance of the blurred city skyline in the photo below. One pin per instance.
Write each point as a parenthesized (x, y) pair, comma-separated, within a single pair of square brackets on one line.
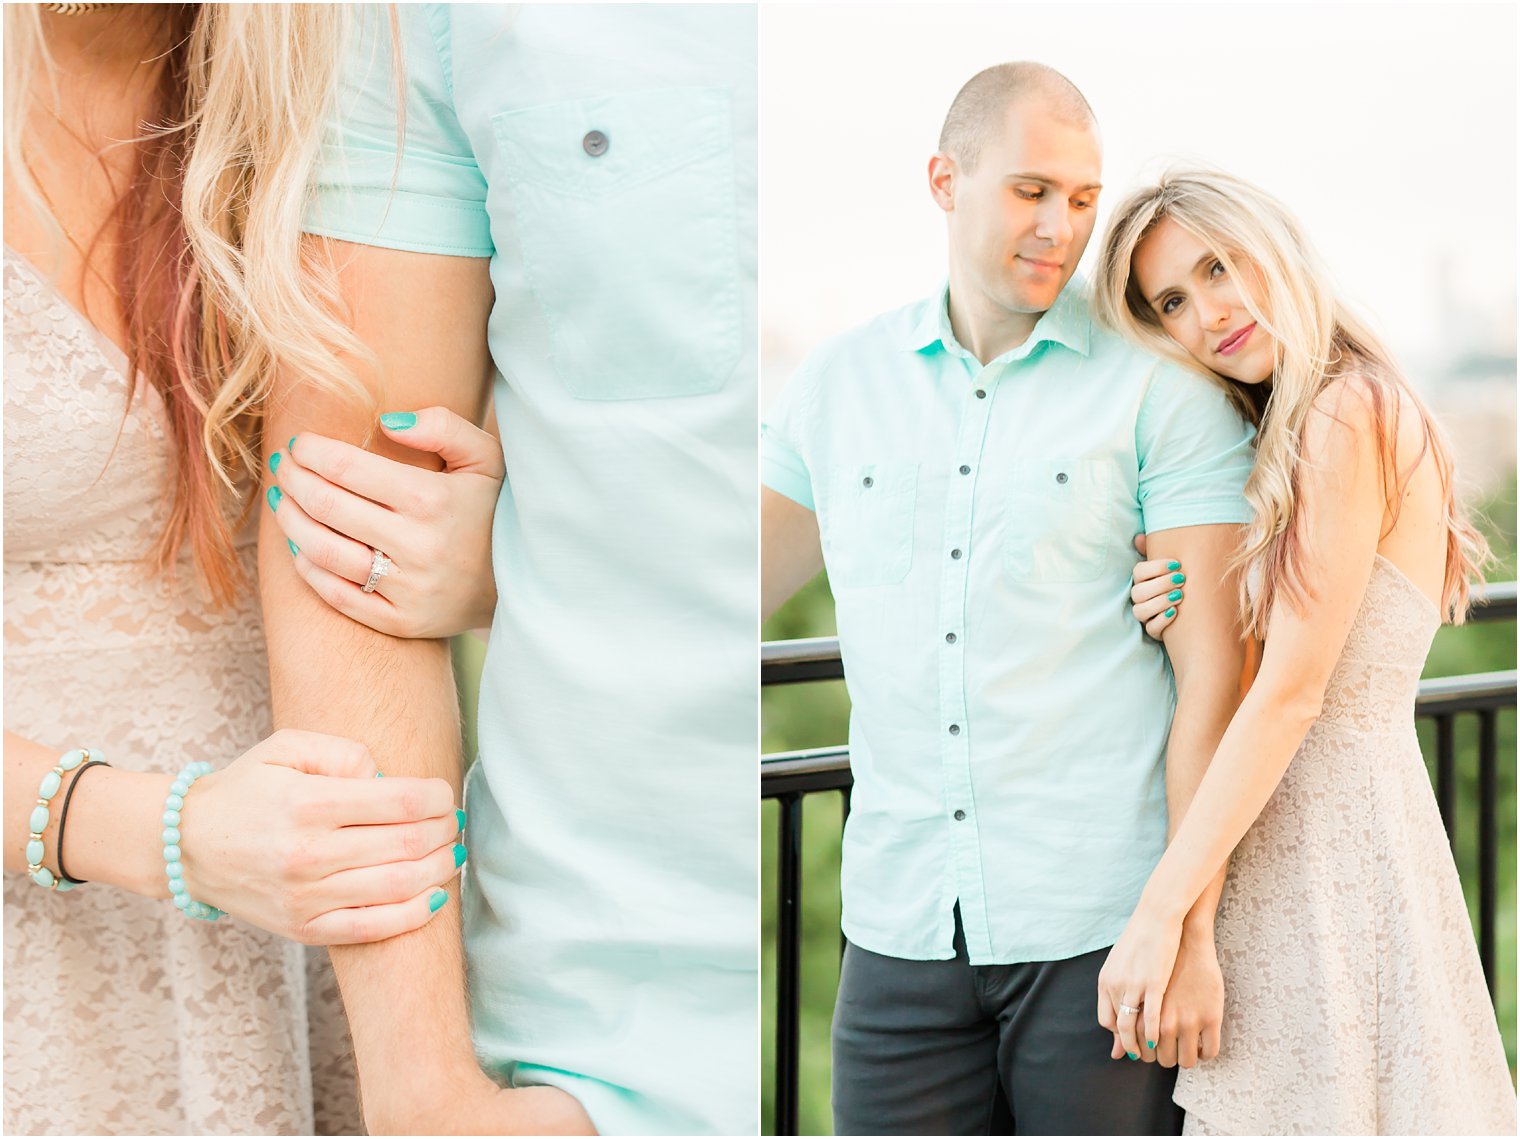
[(1390, 130)]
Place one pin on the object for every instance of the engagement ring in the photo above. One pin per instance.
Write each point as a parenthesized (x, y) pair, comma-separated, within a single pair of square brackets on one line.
[(379, 566)]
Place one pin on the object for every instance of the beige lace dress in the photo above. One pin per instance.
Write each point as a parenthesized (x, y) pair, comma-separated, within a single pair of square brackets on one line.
[(1354, 998), (121, 1015)]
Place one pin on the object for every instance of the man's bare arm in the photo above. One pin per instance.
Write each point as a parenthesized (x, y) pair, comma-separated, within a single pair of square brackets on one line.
[(1208, 655), (424, 317), (791, 552)]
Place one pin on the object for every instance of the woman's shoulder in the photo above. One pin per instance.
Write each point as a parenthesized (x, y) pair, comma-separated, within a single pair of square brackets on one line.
[(1363, 409)]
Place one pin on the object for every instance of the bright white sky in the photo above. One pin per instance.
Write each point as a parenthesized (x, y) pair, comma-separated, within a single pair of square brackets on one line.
[(1389, 128)]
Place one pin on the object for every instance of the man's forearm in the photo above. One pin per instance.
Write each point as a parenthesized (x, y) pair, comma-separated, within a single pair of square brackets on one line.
[(1204, 710), (423, 318), (332, 675)]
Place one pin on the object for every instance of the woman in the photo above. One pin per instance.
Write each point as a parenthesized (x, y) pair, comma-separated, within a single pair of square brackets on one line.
[(1355, 1001), (152, 283)]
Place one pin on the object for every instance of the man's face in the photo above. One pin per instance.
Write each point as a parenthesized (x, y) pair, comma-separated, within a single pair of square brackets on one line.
[(1021, 221)]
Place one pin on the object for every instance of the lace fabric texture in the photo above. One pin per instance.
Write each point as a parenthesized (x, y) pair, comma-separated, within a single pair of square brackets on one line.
[(1354, 997), (121, 1015)]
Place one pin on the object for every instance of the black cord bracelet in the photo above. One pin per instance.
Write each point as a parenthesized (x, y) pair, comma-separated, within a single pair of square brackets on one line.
[(63, 818)]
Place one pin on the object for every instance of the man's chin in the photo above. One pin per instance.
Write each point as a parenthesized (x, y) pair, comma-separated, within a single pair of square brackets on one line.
[(1031, 300)]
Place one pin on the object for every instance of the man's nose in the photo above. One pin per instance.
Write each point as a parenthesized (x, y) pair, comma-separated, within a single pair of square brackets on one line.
[(1054, 224)]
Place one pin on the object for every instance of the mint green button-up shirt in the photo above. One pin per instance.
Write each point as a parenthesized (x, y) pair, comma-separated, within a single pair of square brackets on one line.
[(604, 159), (1009, 716)]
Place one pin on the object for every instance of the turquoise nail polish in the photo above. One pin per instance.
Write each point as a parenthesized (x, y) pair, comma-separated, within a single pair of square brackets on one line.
[(1174, 595), (274, 496), (459, 814), (294, 549), (435, 903), (1132, 1056), (1151, 1044), (398, 420), (379, 775), (1171, 612), (459, 855), (291, 446), (1178, 578), (274, 462), (1174, 565)]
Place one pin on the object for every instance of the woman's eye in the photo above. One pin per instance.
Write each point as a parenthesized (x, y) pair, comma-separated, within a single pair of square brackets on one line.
[(1216, 270), (1169, 305)]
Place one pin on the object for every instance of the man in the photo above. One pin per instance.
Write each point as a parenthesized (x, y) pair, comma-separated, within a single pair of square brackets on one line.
[(970, 470), (573, 208)]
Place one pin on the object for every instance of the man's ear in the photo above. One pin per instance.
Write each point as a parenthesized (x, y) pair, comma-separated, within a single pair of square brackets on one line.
[(943, 172)]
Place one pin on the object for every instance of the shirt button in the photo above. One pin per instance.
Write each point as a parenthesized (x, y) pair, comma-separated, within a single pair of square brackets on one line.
[(949, 638), (955, 553), (965, 470), (869, 481), (960, 816), (955, 729), (594, 144), (981, 393), (1061, 478)]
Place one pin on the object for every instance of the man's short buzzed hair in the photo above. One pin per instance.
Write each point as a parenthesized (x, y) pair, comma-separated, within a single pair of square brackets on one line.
[(976, 115)]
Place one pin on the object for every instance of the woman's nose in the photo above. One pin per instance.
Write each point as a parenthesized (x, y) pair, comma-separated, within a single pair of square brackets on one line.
[(1212, 317)]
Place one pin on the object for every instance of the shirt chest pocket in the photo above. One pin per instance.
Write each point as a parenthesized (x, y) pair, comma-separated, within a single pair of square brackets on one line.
[(867, 524), (1059, 523), (626, 210)]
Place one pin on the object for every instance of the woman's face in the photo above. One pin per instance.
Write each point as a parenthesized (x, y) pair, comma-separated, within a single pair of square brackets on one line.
[(1199, 306)]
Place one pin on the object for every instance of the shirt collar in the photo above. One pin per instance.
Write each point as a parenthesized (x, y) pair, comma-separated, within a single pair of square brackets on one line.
[(1066, 322)]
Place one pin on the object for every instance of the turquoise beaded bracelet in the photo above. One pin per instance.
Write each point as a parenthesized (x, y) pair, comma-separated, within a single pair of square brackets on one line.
[(42, 815), (173, 805)]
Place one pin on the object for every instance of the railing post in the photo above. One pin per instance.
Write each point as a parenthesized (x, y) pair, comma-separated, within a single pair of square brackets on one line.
[(1488, 844), (788, 964), (1446, 777), (844, 819)]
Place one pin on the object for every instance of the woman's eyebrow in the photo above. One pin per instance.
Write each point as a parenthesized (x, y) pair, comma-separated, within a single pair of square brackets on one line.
[(1167, 288)]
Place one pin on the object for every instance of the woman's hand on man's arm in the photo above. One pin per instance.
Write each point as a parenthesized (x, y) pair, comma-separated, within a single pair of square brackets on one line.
[(295, 836), (338, 503)]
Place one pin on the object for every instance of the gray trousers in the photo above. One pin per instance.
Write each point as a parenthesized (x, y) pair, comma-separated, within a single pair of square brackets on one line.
[(948, 1048)]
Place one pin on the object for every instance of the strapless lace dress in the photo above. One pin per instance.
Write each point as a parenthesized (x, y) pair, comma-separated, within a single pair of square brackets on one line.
[(1354, 998), (121, 1015)]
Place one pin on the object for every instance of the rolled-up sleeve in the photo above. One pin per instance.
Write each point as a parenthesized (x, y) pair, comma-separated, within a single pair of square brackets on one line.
[(422, 191), (1195, 453)]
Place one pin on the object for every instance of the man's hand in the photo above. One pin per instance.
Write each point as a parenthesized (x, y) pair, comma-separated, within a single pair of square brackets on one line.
[(478, 1107), (1194, 1007)]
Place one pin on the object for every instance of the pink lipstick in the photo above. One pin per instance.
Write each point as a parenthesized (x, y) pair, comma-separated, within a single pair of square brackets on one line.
[(1232, 344)]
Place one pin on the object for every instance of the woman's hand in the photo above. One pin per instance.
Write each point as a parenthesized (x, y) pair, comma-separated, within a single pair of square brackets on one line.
[(297, 836), (337, 504), (1135, 977), (1157, 591)]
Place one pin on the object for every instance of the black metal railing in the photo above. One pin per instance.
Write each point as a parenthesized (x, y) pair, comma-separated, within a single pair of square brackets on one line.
[(789, 777)]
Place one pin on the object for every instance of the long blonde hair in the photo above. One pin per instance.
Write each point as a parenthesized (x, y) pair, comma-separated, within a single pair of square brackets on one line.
[(1317, 341), (216, 294)]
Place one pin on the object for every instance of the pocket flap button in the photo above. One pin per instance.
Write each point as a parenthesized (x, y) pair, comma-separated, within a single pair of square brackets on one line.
[(1061, 478), (594, 144)]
